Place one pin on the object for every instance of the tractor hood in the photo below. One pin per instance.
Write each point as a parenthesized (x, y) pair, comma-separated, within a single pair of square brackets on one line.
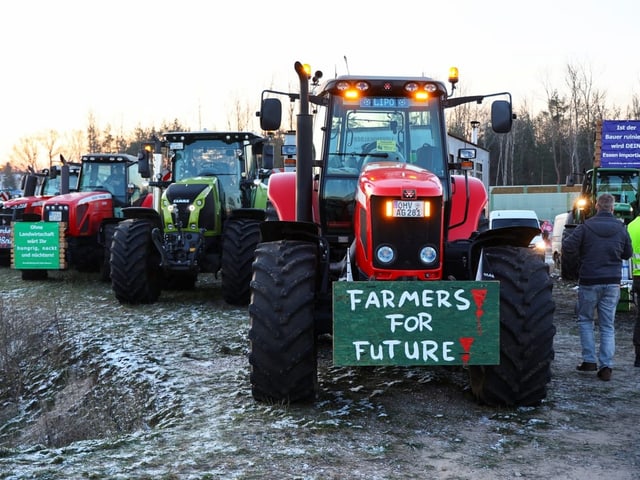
[(80, 198), (394, 179)]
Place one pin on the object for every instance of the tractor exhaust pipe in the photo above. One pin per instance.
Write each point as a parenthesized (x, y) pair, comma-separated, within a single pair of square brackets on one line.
[(304, 142)]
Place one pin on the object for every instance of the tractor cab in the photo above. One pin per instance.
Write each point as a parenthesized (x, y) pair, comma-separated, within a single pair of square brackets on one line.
[(117, 174)]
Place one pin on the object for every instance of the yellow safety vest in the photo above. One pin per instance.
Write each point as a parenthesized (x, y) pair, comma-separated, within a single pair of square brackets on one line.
[(634, 232)]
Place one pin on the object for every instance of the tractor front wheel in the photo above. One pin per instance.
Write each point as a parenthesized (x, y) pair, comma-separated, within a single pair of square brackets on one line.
[(105, 269), (526, 330), (239, 241), (282, 337), (135, 263)]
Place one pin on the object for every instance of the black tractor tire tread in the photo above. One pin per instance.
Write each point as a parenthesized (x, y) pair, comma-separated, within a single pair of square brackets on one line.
[(105, 269), (283, 350), (239, 241), (135, 264), (526, 331), (569, 264)]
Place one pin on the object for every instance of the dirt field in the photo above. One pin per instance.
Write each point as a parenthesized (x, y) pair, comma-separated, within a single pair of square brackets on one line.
[(161, 391)]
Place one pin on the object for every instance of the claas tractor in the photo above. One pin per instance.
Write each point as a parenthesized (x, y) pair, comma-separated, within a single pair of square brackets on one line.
[(379, 244), (86, 217), (206, 219), (37, 187)]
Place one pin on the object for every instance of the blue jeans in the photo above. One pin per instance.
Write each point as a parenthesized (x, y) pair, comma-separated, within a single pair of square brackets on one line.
[(604, 300)]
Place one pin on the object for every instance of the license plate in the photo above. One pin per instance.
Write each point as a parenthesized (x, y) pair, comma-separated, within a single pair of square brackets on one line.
[(403, 208), (55, 216)]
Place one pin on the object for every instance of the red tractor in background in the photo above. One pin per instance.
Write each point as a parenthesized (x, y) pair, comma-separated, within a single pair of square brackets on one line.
[(381, 245), (107, 183), (37, 187)]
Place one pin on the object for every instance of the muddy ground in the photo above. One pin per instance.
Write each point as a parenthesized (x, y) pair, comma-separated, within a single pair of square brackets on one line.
[(162, 391)]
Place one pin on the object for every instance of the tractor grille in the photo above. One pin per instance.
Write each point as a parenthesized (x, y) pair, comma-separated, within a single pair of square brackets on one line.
[(183, 195), (405, 235), (56, 213)]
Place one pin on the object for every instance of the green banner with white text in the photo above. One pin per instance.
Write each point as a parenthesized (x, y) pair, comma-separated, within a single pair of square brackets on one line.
[(416, 323)]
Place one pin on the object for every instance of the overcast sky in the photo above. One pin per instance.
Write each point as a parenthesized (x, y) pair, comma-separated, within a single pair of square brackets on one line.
[(139, 62)]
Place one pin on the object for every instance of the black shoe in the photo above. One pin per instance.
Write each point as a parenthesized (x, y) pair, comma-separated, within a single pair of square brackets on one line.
[(637, 362), (587, 367), (604, 374)]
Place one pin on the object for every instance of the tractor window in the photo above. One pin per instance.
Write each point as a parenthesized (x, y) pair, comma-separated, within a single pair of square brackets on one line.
[(208, 157), (51, 186), (621, 186), (363, 131)]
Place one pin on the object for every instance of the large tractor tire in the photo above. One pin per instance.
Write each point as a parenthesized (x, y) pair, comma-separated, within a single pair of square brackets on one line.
[(569, 264), (105, 268), (239, 241), (136, 274), (526, 330), (282, 351)]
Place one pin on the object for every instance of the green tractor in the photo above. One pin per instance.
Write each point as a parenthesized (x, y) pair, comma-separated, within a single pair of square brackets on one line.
[(621, 182), (205, 219)]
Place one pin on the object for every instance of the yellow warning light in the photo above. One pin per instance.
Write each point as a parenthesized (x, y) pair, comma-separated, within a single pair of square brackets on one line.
[(421, 95), (453, 75), (307, 69), (351, 94)]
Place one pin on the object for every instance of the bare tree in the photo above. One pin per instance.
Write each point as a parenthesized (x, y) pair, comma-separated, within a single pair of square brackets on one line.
[(93, 136), (49, 140), (25, 154), (241, 117), (555, 127), (75, 145)]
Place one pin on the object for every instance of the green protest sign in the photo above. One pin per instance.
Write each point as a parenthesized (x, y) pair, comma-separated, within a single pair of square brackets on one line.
[(416, 323), (36, 245)]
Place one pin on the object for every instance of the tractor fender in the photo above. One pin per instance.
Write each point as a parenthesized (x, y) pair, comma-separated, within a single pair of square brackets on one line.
[(249, 213), (103, 226), (144, 213), (275, 231), (519, 236), (282, 194)]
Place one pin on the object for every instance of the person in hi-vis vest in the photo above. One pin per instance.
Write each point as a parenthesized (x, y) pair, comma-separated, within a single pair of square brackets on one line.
[(634, 233)]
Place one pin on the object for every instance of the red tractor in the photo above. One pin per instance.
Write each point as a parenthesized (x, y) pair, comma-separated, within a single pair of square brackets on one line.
[(380, 243), (88, 216), (37, 187)]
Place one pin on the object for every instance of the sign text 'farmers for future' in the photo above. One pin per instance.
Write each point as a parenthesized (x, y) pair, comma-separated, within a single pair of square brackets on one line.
[(416, 323)]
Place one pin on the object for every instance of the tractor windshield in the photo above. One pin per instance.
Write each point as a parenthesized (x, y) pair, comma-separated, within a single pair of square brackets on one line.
[(622, 185), (213, 158), (384, 129), (207, 157), (105, 176)]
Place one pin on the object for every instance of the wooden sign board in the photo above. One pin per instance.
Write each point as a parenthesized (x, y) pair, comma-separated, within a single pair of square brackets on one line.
[(416, 323)]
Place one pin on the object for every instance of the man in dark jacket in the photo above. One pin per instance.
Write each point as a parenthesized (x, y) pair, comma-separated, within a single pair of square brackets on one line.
[(601, 243)]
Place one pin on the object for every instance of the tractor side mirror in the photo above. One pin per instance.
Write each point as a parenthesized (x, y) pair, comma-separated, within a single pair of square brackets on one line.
[(270, 114), (501, 116), (144, 167)]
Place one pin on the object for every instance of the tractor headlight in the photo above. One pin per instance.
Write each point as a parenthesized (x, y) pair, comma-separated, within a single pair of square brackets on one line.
[(385, 254), (428, 255)]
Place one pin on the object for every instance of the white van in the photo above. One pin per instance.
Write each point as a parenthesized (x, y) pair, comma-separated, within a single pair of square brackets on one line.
[(556, 237), (519, 218)]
